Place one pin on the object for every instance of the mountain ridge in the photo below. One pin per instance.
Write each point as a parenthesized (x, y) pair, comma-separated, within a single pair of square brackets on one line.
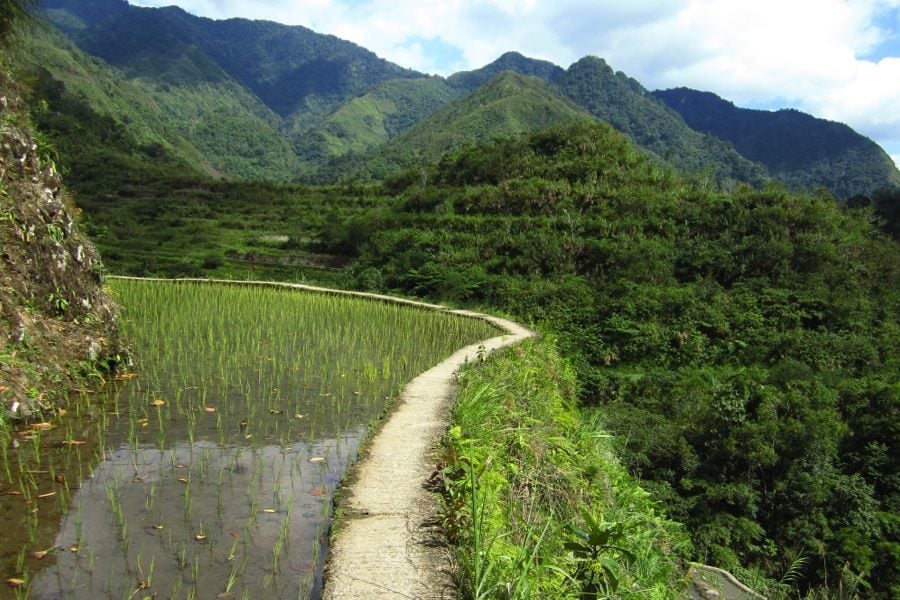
[(817, 146), (283, 102)]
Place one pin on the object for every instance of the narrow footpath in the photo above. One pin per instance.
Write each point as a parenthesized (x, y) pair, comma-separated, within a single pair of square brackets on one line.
[(389, 542)]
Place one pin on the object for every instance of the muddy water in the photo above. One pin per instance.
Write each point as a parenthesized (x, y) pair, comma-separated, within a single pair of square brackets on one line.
[(223, 516), (210, 473)]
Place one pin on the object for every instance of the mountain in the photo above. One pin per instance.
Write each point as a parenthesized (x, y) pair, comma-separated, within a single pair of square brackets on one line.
[(508, 105), (296, 73), (797, 148), (256, 100), (510, 61), (374, 118), (626, 105)]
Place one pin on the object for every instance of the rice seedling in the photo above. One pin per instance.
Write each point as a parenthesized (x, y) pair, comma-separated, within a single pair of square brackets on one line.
[(239, 387)]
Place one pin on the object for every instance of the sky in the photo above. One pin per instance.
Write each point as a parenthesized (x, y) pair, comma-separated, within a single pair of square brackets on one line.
[(835, 59)]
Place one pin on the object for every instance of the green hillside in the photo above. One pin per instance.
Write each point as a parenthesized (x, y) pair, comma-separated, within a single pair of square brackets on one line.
[(370, 120), (508, 105), (258, 100), (103, 126), (798, 149), (629, 108), (297, 74)]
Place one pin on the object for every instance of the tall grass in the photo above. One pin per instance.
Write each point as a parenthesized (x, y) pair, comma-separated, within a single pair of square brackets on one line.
[(535, 502)]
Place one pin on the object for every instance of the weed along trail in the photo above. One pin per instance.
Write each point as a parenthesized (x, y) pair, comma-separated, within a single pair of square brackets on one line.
[(388, 544)]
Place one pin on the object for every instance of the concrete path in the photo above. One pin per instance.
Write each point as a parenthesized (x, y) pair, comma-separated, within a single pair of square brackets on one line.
[(390, 544)]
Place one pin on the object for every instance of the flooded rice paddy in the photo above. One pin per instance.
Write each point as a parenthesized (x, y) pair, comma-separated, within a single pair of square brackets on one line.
[(209, 472)]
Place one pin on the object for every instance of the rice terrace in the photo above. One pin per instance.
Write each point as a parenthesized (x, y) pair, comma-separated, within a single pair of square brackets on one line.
[(211, 470)]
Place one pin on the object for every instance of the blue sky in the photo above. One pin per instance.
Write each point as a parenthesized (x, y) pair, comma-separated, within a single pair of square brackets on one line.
[(836, 59)]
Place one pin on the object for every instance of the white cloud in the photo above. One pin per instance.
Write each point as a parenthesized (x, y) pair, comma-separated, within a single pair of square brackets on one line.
[(800, 53)]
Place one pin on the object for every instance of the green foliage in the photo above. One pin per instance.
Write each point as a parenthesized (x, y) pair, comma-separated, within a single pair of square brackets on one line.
[(740, 345), (14, 14), (536, 502), (510, 61)]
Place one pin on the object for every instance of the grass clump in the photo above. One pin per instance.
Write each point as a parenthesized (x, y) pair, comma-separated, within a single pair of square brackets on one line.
[(535, 502)]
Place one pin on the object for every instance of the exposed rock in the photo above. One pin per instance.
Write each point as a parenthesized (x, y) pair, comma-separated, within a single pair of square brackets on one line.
[(57, 325)]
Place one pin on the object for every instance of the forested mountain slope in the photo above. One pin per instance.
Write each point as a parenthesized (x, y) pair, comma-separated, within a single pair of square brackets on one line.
[(509, 104), (623, 103), (260, 100), (797, 148)]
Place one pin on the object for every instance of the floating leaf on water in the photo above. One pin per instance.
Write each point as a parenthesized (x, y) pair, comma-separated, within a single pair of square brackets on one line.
[(317, 491), (143, 422), (299, 416), (157, 402), (269, 510), (158, 526), (317, 459), (13, 493), (39, 554), (15, 582), (209, 409), (275, 411), (41, 426), (123, 376), (75, 442), (74, 548), (46, 494), (183, 479), (200, 537)]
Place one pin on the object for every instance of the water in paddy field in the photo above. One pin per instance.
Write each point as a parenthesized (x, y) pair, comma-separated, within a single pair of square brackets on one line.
[(210, 472)]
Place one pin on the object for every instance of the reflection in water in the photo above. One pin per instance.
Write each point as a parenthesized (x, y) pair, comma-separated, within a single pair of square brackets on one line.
[(199, 521), (211, 471)]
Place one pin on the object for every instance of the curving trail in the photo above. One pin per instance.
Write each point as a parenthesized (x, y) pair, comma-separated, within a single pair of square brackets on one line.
[(389, 546), (389, 543)]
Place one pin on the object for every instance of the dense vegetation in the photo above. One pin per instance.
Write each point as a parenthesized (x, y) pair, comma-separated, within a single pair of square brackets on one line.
[(622, 102), (535, 499), (509, 104), (821, 152), (743, 347)]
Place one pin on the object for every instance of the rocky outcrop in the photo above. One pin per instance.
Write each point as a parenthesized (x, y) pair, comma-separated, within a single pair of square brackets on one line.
[(57, 326)]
